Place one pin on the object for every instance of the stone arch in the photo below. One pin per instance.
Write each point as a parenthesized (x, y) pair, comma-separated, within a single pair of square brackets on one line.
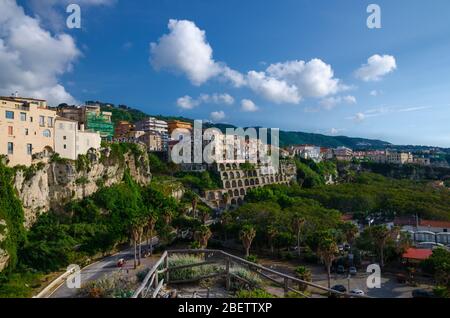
[(235, 167), (247, 183), (230, 193), (240, 201), (236, 192), (227, 185), (234, 202), (238, 175), (222, 167), (242, 191), (228, 166), (252, 182), (257, 181), (233, 184), (231, 175), (225, 175), (240, 184)]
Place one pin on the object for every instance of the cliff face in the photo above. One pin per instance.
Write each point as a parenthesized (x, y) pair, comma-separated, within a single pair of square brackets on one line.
[(54, 184), (4, 257)]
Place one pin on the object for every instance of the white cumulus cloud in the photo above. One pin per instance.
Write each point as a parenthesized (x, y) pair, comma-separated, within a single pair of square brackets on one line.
[(272, 89), (31, 58), (185, 50), (331, 102), (187, 102), (217, 116), (248, 105), (377, 66), (313, 79)]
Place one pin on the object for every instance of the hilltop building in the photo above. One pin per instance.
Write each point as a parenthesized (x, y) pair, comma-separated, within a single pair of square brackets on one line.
[(70, 141), (27, 128), (156, 129), (92, 117)]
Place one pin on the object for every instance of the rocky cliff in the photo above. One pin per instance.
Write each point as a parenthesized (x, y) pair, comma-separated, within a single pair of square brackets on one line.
[(50, 186)]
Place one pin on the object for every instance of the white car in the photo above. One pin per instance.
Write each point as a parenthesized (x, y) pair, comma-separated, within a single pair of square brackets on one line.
[(358, 292)]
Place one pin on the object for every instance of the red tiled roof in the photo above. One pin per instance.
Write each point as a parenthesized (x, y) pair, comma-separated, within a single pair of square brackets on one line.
[(417, 254), (438, 224), (346, 217), (402, 221)]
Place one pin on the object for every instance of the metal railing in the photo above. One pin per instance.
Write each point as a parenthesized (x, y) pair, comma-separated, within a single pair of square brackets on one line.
[(153, 285)]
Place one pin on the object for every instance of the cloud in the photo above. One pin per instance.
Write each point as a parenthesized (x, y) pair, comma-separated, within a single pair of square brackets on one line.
[(31, 58), (336, 131), (217, 116), (272, 89), (377, 66), (185, 50), (359, 117), (187, 102), (313, 79), (248, 106), (374, 93), (331, 102), (52, 13)]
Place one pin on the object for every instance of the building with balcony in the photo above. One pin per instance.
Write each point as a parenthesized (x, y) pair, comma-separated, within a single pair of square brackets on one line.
[(26, 129), (155, 127)]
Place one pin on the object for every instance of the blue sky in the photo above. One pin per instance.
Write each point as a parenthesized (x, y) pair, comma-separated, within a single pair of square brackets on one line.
[(402, 97)]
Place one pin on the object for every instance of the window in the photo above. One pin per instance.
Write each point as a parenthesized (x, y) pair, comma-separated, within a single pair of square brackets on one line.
[(26, 131), (41, 121), (47, 133), (23, 116), (29, 149), (10, 130), (65, 137), (50, 121), (31, 119), (10, 148), (65, 146), (9, 114)]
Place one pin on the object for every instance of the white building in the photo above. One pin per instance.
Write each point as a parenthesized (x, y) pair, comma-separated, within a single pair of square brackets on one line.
[(70, 142), (154, 125)]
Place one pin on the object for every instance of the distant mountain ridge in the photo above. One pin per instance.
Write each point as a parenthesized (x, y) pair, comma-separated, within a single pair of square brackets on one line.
[(287, 138)]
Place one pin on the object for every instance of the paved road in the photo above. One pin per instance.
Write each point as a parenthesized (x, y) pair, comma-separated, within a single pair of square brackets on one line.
[(98, 270)]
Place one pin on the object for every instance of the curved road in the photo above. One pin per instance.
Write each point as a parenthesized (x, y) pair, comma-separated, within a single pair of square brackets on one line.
[(100, 269)]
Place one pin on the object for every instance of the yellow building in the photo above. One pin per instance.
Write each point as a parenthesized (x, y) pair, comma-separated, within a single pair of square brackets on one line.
[(26, 129)]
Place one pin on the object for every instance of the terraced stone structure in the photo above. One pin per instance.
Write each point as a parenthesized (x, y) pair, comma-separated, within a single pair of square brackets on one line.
[(238, 178)]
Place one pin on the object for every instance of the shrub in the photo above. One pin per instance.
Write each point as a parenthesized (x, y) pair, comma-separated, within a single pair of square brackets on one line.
[(252, 258), (115, 286), (191, 272), (256, 293), (252, 279)]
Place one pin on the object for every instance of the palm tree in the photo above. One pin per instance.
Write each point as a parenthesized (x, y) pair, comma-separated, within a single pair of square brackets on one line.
[(297, 226), (381, 234), (194, 205), (327, 251), (350, 231), (247, 235), (304, 274), (225, 220), (151, 223), (202, 235), (204, 214), (272, 233), (135, 235)]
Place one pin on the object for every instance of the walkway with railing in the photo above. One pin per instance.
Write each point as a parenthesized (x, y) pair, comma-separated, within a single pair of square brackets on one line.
[(159, 275)]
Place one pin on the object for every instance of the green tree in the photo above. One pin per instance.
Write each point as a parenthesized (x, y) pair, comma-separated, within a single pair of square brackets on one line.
[(246, 235), (327, 251)]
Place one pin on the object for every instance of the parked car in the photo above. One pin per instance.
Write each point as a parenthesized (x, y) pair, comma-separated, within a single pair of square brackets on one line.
[(422, 293), (401, 278), (339, 288), (352, 271), (341, 269), (358, 292)]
